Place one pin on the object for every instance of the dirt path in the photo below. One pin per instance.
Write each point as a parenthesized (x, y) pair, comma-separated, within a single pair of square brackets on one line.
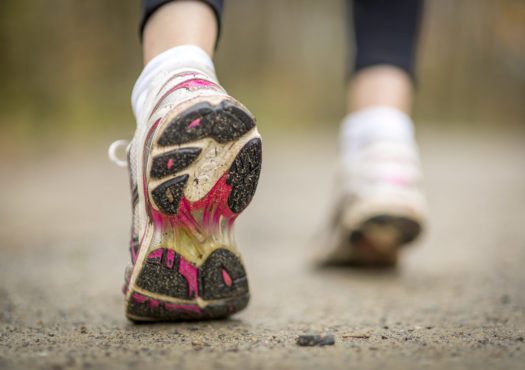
[(458, 301)]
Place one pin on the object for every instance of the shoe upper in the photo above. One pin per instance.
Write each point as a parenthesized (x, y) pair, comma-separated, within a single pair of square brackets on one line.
[(379, 192)]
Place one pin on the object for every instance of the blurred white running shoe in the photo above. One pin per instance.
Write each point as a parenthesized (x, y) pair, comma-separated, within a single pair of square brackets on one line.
[(381, 205)]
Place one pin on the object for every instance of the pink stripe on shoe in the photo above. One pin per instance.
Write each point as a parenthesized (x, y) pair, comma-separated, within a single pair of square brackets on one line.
[(156, 254), (139, 298), (192, 84), (226, 278), (170, 258), (182, 307), (189, 271), (195, 123)]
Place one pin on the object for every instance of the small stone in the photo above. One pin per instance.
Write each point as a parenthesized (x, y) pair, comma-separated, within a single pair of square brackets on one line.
[(311, 340), (83, 330)]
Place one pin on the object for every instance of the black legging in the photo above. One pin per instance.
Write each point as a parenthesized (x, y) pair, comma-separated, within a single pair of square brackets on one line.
[(385, 30)]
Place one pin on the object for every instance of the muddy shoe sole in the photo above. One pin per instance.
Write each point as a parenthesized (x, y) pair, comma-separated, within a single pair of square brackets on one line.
[(201, 169)]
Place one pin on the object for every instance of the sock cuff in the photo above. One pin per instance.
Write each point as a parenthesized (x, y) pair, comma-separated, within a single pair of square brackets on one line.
[(377, 122), (183, 56)]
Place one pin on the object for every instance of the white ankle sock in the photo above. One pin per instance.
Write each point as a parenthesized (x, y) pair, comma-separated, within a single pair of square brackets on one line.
[(163, 65), (372, 124)]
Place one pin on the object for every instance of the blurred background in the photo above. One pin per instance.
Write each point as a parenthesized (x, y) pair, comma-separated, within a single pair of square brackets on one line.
[(67, 67), (66, 72)]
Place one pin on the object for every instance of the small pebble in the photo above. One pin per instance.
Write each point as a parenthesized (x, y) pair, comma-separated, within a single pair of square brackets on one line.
[(310, 340)]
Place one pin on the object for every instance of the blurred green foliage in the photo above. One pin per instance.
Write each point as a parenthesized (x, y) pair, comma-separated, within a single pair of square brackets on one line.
[(69, 66)]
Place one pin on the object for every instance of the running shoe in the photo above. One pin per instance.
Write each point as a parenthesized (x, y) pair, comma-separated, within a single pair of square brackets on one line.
[(194, 164), (381, 206)]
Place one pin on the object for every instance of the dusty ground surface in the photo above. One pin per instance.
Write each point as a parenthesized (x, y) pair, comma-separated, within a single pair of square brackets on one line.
[(457, 301)]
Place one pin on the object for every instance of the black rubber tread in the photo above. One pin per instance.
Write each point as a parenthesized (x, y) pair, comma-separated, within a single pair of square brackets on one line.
[(223, 122), (243, 175), (211, 283), (181, 158), (177, 131), (167, 195), (156, 277), (229, 123), (139, 312), (409, 229), (226, 307)]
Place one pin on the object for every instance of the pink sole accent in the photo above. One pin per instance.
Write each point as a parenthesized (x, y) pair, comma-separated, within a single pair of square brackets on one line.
[(155, 254), (139, 298), (195, 123), (227, 278), (218, 197), (170, 258), (194, 83), (157, 218), (213, 206), (189, 271), (152, 303), (182, 307)]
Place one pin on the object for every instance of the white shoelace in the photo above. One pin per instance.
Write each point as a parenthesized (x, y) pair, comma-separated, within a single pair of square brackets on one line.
[(114, 148)]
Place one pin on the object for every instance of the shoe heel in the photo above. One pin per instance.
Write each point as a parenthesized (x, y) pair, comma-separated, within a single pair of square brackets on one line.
[(191, 269)]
